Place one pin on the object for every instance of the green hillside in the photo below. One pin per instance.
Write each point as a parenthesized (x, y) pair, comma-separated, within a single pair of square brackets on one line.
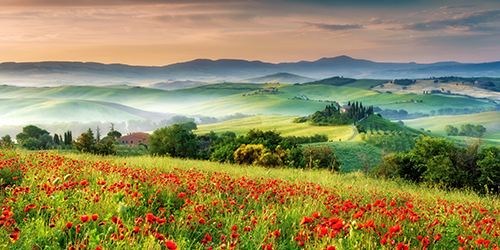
[(429, 102), (281, 124), (355, 155), (436, 124), (29, 111), (253, 99)]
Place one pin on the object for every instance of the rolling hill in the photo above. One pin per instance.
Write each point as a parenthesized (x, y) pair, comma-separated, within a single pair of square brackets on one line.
[(279, 78), (437, 123), (282, 124), (224, 99), (25, 111)]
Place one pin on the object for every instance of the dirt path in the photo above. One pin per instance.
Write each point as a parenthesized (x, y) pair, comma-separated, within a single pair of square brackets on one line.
[(355, 130)]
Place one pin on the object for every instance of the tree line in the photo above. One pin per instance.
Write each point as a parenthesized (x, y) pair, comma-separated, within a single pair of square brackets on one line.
[(334, 115), (265, 148), (465, 130), (443, 163)]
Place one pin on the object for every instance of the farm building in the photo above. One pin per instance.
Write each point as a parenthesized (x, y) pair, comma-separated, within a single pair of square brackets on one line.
[(345, 109), (134, 139)]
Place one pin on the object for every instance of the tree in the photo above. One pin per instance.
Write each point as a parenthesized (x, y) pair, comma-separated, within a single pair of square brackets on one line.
[(189, 126), (56, 139), (30, 131), (68, 138), (6, 142), (181, 119), (45, 141), (98, 134), (321, 157), (89, 131), (227, 134), (450, 130), (84, 143), (174, 141), (479, 130), (114, 134)]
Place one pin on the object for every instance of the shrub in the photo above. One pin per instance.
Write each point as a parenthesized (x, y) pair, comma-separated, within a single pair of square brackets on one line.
[(249, 154), (321, 157), (174, 141), (84, 143), (6, 142), (437, 161), (488, 166)]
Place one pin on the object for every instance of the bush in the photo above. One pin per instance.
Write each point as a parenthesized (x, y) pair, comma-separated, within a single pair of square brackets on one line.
[(6, 142), (174, 141), (249, 154), (84, 143), (437, 161), (488, 165), (321, 157)]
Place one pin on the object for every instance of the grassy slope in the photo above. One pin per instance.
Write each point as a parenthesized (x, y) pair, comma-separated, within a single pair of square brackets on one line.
[(437, 123), (277, 199), (282, 124), (321, 177), (385, 125), (27, 111), (227, 98), (430, 102), (349, 152), (355, 155)]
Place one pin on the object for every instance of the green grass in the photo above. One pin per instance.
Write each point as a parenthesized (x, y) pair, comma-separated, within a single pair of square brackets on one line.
[(70, 103), (365, 83), (355, 155), (24, 111), (128, 193), (430, 102), (374, 122), (228, 98), (436, 124), (281, 124)]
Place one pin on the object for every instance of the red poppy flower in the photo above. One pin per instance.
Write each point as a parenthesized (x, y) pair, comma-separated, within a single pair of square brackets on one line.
[(171, 245), (69, 225), (84, 218), (306, 220), (316, 215), (94, 217)]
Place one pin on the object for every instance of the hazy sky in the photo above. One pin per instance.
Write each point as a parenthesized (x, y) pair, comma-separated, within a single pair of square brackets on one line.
[(160, 32)]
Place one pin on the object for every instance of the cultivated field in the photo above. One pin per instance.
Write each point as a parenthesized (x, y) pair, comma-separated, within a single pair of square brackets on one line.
[(429, 85)]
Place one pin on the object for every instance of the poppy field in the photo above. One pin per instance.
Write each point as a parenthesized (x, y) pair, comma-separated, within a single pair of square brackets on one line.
[(55, 201)]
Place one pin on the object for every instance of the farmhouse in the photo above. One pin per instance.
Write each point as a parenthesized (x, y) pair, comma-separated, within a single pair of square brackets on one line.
[(345, 109), (134, 139)]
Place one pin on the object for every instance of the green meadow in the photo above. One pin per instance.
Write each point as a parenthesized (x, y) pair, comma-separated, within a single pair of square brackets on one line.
[(355, 155), (23, 111), (436, 124), (229, 98), (282, 124)]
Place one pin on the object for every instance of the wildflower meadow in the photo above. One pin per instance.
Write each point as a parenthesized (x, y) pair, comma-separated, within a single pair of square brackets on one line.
[(56, 201)]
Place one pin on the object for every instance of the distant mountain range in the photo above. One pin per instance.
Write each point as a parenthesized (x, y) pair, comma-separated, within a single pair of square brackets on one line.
[(205, 70)]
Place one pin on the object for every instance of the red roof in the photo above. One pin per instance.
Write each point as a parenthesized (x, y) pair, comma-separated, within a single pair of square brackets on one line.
[(134, 139)]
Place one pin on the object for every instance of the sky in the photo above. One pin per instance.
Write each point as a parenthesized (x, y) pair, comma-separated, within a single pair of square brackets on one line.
[(162, 32)]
